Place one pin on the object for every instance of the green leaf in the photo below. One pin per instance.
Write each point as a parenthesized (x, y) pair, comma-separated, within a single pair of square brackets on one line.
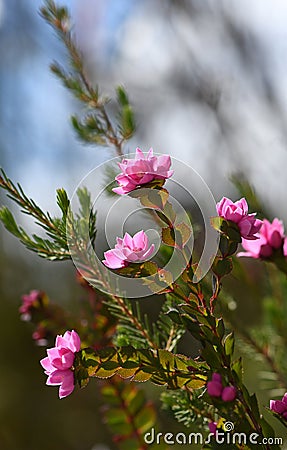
[(238, 368), (9, 222), (220, 328), (145, 419), (155, 198), (222, 266), (218, 223), (122, 96), (229, 344), (183, 234)]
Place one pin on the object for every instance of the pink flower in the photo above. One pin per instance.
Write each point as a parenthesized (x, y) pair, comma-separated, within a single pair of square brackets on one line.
[(29, 301), (280, 406), (238, 213), (270, 237), (212, 427), (59, 362), (228, 394), (214, 387), (141, 170), (128, 250)]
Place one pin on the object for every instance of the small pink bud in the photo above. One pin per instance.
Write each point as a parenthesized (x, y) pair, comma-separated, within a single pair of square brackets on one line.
[(214, 388), (212, 427), (216, 377), (228, 394)]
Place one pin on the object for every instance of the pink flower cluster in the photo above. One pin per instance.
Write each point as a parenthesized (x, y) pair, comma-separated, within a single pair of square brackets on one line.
[(215, 389), (237, 212), (128, 250), (141, 170), (270, 237), (59, 362), (280, 406)]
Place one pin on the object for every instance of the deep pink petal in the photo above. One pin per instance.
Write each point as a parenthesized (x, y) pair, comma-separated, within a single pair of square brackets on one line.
[(221, 204), (275, 239), (277, 406), (265, 251), (245, 227)]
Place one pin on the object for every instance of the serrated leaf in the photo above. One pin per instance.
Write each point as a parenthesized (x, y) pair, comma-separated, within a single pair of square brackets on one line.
[(168, 236), (126, 373), (141, 377), (184, 232), (196, 383)]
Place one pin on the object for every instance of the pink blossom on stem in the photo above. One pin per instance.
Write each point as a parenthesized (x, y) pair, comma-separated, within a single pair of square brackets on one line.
[(129, 250), (280, 406), (270, 237), (141, 170), (237, 212), (59, 362)]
